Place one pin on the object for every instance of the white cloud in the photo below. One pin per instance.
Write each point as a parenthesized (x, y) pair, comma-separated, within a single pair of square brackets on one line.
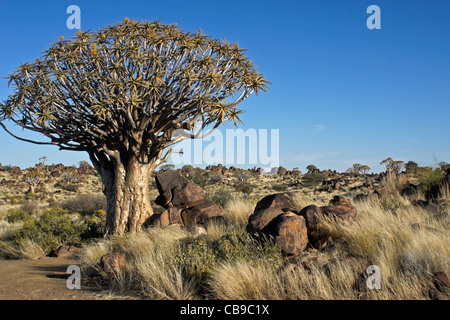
[(320, 127)]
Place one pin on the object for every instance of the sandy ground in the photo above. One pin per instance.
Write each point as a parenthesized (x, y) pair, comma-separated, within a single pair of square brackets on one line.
[(43, 279)]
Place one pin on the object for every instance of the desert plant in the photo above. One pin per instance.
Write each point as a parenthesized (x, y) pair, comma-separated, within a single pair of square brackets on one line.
[(85, 204), (125, 94), (279, 187)]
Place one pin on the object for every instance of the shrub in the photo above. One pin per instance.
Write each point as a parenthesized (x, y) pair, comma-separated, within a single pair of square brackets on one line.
[(221, 197), (52, 228), (199, 257), (430, 181), (244, 187), (279, 187), (86, 204), (313, 179), (15, 216)]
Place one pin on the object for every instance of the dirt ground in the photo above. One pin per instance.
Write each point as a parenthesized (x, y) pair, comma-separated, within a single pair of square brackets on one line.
[(43, 279)]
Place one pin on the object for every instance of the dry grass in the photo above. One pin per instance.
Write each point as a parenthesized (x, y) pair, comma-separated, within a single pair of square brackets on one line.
[(386, 235)]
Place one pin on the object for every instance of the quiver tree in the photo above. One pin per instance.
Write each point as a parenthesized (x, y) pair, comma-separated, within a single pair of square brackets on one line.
[(33, 178), (119, 94)]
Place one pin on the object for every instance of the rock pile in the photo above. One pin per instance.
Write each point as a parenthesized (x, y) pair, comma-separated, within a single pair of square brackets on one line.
[(276, 216), (181, 202)]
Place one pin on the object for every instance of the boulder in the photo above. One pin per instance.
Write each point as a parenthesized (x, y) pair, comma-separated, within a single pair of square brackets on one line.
[(291, 233), (260, 220), (174, 215), (441, 281), (112, 263), (63, 251), (312, 213), (203, 212), (283, 200), (187, 195), (344, 212), (159, 220), (176, 190), (338, 200), (381, 193)]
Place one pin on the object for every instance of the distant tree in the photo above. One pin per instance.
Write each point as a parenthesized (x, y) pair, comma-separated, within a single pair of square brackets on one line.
[(296, 173), (365, 169), (33, 178), (411, 167), (392, 166), (124, 95), (242, 177), (43, 159), (312, 168), (357, 168), (281, 171)]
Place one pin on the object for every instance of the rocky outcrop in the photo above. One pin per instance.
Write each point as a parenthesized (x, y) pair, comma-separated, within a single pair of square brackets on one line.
[(275, 216), (181, 202)]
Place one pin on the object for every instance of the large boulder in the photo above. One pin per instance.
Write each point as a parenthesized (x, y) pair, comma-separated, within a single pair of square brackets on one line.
[(290, 233), (344, 212), (203, 212), (268, 208), (260, 220), (176, 190), (187, 195), (283, 200), (313, 214)]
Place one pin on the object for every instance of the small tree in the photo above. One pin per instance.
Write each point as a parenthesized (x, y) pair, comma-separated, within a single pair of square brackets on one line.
[(33, 178), (365, 169), (120, 94), (312, 169)]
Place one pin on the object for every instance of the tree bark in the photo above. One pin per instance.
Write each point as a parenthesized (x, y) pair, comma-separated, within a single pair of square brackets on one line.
[(126, 187)]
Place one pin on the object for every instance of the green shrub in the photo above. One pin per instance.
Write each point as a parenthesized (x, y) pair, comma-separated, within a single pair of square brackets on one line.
[(86, 204), (198, 258), (430, 181), (15, 216), (51, 228), (221, 197), (279, 187), (244, 187), (313, 179)]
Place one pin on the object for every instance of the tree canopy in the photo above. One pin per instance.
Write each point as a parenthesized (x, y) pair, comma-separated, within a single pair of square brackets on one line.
[(127, 87)]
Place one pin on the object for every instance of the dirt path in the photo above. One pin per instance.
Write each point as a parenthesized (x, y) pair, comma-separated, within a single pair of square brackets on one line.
[(43, 279)]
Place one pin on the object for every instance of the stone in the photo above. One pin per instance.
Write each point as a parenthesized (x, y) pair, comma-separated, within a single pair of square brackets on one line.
[(63, 251), (312, 214), (345, 212), (338, 200), (176, 190), (187, 195), (290, 233), (203, 212), (283, 200), (441, 281), (436, 294), (260, 220), (113, 263), (174, 215), (197, 231)]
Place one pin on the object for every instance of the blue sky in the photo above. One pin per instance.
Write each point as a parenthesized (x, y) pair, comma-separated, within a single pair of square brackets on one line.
[(340, 93)]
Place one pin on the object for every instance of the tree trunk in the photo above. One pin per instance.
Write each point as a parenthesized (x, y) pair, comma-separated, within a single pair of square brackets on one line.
[(127, 195)]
